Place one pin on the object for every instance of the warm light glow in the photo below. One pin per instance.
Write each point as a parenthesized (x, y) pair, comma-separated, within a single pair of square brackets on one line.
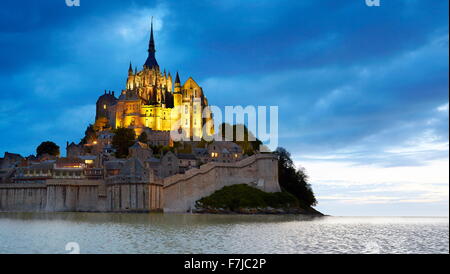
[(89, 162), (95, 142)]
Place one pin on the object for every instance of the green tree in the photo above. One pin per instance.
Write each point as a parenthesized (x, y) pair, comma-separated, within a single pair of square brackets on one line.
[(89, 135), (122, 140), (49, 148), (294, 181), (143, 138)]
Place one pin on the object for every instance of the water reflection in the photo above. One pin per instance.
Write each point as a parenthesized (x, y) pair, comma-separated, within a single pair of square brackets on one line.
[(191, 233), (155, 218)]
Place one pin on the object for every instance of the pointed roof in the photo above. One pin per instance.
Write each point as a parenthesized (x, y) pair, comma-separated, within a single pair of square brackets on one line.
[(130, 69), (151, 45), (190, 83), (139, 145), (151, 59), (177, 79)]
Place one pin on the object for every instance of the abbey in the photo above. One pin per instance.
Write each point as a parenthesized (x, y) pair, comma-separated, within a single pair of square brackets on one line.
[(157, 174), (151, 100)]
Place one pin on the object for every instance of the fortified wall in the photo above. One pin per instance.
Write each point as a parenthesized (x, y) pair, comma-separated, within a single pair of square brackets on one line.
[(177, 193), (183, 190)]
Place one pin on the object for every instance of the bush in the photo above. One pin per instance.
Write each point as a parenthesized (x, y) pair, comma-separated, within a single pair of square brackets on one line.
[(243, 196)]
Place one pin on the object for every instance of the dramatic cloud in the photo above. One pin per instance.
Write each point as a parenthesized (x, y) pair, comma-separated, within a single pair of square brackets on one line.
[(361, 90)]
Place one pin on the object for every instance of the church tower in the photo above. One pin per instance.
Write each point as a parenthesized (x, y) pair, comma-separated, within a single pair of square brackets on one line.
[(152, 101)]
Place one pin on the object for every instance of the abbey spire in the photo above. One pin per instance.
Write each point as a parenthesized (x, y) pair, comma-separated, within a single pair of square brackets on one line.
[(151, 59), (130, 70), (177, 79)]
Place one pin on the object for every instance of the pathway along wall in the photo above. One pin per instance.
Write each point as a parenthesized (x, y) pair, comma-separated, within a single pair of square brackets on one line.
[(181, 191)]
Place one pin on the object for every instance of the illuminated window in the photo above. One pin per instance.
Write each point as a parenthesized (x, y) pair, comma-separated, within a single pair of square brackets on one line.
[(104, 106), (89, 162)]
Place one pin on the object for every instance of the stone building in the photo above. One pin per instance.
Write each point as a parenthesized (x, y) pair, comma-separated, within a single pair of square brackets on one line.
[(61, 168), (140, 151), (158, 137), (165, 166), (187, 161), (224, 151), (10, 160), (8, 166), (152, 100), (104, 142), (73, 150), (153, 164), (169, 165)]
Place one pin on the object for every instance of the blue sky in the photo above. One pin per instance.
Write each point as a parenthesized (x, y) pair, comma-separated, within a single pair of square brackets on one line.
[(362, 91)]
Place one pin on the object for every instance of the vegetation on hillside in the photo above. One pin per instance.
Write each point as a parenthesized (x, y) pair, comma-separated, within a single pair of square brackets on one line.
[(161, 150), (236, 197), (122, 140), (294, 181), (89, 135)]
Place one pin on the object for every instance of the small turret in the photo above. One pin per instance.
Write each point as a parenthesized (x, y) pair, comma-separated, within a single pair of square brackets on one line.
[(177, 96), (177, 84), (169, 83)]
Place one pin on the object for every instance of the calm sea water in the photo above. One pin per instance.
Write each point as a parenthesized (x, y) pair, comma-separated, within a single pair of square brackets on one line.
[(158, 233)]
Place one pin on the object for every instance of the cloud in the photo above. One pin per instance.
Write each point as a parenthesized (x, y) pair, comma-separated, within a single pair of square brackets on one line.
[(342, 186), (443, 108)]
